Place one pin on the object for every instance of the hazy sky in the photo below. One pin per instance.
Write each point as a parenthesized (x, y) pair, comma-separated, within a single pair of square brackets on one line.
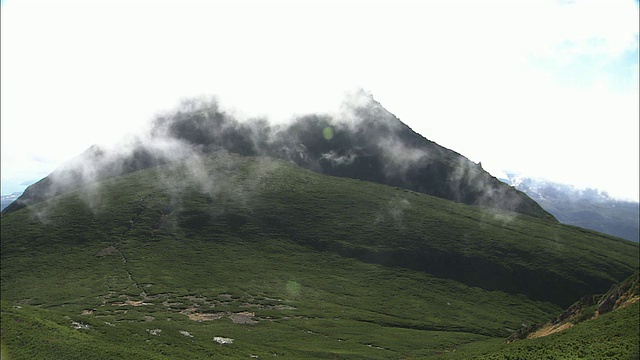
[(545, 88)]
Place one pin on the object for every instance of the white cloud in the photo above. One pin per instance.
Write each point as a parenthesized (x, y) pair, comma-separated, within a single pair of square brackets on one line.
[(515, 84)]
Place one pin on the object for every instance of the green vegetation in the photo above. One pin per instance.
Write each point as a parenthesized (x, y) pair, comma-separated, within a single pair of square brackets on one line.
[(157, 263)]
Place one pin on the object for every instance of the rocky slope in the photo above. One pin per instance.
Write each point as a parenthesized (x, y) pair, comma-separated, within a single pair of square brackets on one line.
[(589, 307)]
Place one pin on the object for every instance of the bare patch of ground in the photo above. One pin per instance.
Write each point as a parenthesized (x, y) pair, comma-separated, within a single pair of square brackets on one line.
[(133, 303), (549, 329), (107, 251), (200, 308), (243, 317), (626, 301), (197, 316)]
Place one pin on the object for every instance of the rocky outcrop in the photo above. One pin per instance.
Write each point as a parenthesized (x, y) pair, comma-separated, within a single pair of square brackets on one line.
[(619, 295)]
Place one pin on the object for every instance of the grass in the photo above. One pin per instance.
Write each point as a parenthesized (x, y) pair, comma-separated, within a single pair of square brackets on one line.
[(328, 267)]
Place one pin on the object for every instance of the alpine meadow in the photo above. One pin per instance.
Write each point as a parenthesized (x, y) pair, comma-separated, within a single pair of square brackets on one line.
[(343, 236)]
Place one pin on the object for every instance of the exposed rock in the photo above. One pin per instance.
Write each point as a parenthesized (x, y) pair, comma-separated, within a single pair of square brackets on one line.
[(619, 296), (609, 300), (223, 340), (80, 326)]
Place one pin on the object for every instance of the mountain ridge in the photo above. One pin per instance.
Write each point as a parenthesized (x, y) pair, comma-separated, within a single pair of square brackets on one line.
[(588, 208), (365, 142)]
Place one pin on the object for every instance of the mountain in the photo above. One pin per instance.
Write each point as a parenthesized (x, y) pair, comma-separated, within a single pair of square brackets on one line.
[(226, 256), (587, 208), (363, 142)]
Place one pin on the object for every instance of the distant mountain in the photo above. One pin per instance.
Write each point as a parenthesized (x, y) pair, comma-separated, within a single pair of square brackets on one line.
[(364, 142), (587, 208), (5, 200)]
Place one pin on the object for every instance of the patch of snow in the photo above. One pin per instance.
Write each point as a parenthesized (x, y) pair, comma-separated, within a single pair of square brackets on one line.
[(185, 333), (154, 332)]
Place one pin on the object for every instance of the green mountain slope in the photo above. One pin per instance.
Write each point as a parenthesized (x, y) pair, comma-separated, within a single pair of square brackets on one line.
[(168, 262)]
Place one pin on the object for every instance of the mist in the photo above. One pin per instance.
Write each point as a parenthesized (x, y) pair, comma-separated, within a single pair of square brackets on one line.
[(360, 140)]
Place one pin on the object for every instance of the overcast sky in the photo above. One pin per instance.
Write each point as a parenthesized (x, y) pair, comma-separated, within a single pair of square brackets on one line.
[(545, 88)]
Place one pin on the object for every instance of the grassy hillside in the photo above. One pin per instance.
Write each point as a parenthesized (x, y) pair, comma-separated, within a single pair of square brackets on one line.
[(170, 261)]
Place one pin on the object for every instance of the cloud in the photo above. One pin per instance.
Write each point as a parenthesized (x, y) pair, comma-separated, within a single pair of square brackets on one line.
[(454, 71), (394, 212), (337, 159), (399, 157)]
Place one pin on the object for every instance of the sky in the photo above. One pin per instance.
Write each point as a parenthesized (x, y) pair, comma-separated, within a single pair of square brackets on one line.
[(546, 89)]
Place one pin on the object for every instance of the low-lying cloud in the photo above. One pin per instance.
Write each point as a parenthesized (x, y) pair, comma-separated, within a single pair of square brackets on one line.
[(362, 140)]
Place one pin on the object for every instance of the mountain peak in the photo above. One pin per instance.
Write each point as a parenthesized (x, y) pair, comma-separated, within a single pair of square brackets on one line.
[(366, 142)]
